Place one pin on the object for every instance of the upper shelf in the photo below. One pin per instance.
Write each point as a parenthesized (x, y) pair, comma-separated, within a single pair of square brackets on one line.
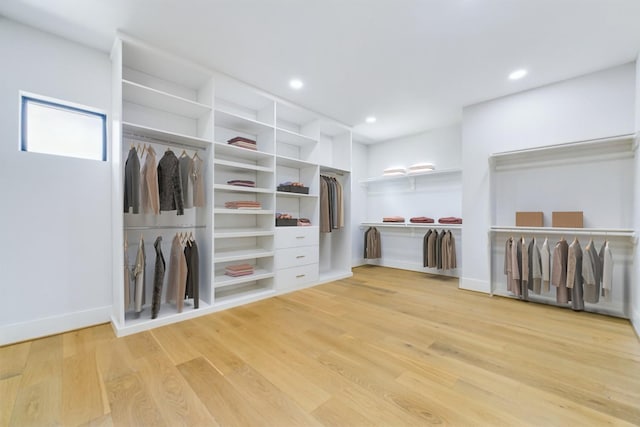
[(163, 137), (239, 152), (410, 225), (231, 165), (410, 176), (239, 123), (159, 100), (605, 232), (615, 147), (293, 138)]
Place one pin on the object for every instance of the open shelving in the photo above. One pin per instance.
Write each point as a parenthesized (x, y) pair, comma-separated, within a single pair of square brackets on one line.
[(137, 93)]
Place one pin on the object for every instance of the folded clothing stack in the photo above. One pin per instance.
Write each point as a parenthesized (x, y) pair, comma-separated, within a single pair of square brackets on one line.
[(238, 270), (304, 222), (450, 220), (283, 216), (242, 183), (420, 168), (240, 141), (393, 219), (394, 171), (243, 204), (422, 220)]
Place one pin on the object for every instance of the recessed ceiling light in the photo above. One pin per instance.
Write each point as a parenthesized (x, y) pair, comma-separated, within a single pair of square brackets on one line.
[(296, 84), (518, 74), (370, 119)]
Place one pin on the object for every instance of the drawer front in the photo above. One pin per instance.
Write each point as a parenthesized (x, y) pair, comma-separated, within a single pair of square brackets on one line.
[(296, 277), (293, 257), (291, 237)]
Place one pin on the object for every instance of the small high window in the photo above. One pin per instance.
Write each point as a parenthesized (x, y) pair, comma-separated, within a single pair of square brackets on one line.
[(63, 129)]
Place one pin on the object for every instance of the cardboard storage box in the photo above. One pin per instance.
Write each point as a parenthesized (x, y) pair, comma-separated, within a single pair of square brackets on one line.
[(529, 219), (566, 219)]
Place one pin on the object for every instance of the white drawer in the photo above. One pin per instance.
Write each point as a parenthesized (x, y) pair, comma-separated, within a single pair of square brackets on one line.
[(295, 277), (293, 257), (291, 237)]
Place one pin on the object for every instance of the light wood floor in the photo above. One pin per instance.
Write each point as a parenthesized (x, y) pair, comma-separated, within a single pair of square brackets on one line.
[(386, 347)]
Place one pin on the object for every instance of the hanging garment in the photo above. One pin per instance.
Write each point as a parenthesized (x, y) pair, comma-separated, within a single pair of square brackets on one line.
[(132, 182), (453, 260), (439, 249), (545, 259), (559, 271), (325, 224), (170, 184), (149, 195), (139, 276), (574, 275), (508, 264), (197, 181), (591, 272), (535, 268), (606, 258), (523, 249), (372, 244), (335, 223), (177, 275), (425, 249), (340, 205), (432, 256), (192, 289), (516, 266), (158, 278), (127, 277), (186, 170)]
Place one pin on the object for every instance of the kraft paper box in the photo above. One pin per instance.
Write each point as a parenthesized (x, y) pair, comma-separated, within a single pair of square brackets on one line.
[(567, 219), (529, 219)]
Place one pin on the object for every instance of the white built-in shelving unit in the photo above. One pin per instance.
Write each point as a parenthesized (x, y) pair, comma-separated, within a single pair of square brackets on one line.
[(172, 103), (560, 177)]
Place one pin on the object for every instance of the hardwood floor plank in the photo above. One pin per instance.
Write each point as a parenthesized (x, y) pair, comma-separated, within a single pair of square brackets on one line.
[(14, 358), (81, 392), (8, 392), (131, 403)]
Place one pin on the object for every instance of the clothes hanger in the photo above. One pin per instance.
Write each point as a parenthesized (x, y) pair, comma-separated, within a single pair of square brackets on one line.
[(195, 156), (184, 153)]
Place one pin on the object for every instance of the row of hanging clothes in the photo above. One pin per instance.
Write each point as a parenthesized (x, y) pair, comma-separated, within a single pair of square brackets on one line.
[(182, 280), (578, 275), (331, 204), (372, 244), (439, 250), (170, 184)]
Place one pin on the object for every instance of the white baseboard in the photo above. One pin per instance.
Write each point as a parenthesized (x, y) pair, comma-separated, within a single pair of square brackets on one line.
[(358, 262), (17, 332), (410, 266), (475, 285), (635, 321)]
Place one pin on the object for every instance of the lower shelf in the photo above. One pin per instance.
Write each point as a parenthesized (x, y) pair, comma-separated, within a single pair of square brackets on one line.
[(222, 280), (244, 291), (167, 314)]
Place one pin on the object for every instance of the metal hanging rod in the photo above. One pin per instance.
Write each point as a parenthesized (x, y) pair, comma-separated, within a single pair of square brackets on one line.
[(331, 173), (165, 142), (162, 227)]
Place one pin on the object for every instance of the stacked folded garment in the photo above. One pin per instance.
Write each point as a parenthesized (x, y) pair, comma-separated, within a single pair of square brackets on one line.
[(283, 216), (450, 220), (394, 171), (243, 204), (304, 222), (238, 270), (421, 220), (420, 168), (242, 183), (239, 141), (393, 219)]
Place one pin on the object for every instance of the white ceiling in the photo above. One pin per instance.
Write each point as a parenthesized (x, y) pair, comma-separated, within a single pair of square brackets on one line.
[(412, 63)]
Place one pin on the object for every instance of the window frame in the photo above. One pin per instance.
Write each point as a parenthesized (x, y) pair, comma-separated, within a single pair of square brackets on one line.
[(26, 97)]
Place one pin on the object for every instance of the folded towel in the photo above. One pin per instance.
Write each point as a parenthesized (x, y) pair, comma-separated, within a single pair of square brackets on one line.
[(242, 183), (422, 220), (242, 139), (450, 220), (393, 219)]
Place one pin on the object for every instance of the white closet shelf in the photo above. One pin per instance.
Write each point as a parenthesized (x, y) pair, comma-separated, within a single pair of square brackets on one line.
[(239, 152), (229, 233), (228, 120), (167, 314), (294, 195), (603, 232), (411, 176), (230, 296), (159, 100), (243, 211), (163, 136), (615, 147), (239, 254), (294, 163), (238, 166), (289, 137), (410, 225), (221, 280), (240, 189)]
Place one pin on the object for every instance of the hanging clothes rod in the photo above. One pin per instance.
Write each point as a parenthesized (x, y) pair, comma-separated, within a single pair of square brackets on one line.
[(332, 173), (162, 227), (165, 142)]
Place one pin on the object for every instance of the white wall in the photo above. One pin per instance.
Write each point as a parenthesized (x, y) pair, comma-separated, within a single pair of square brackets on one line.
[(56, 211), (359, 170), (592, 106), (635, 292)]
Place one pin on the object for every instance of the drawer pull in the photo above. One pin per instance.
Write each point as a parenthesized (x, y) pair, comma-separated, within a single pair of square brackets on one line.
[(300, 256), (300, 276), (299, 237)]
